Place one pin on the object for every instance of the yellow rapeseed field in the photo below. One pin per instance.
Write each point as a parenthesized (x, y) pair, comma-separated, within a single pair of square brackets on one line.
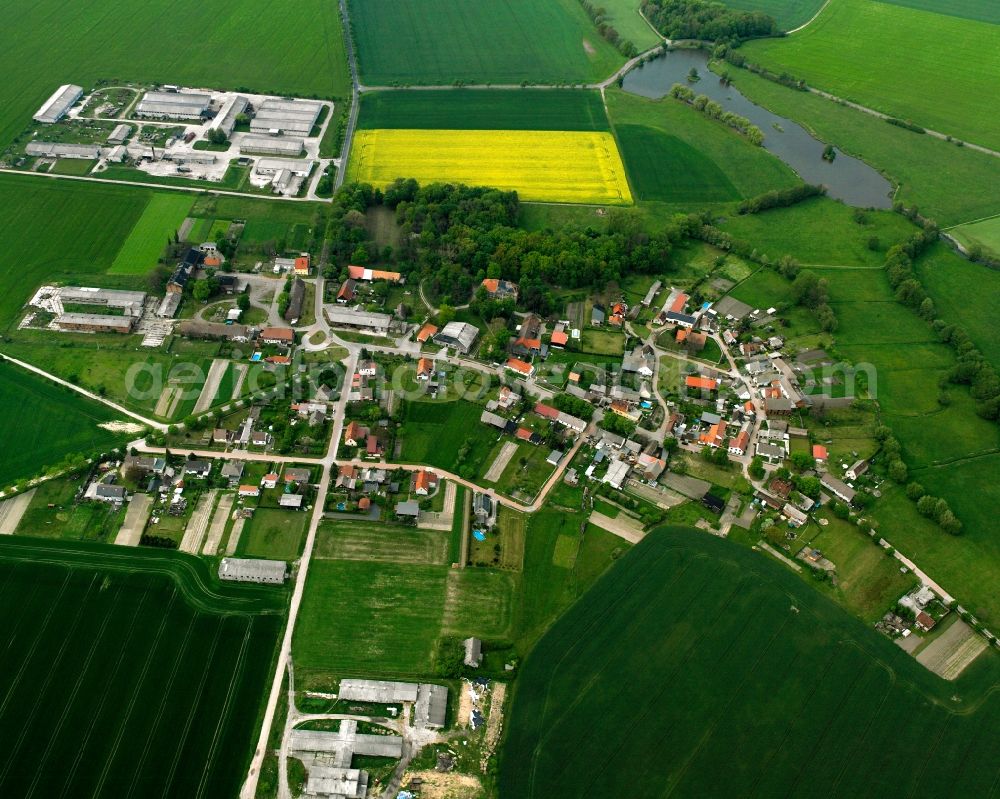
[(547, 166)]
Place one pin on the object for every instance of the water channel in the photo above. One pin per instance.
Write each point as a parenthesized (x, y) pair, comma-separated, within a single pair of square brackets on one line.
[(846, 178)]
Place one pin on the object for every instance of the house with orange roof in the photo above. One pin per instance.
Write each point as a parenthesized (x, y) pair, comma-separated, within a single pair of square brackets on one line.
[(820, 453), (301, 266), (701, 383), (369, 275), (523, 433), (278, 360), (424, 482), (425, 368), (348, 291), (546, 411), (497, 289), (715, 435), (738, 445), (269, 480), (529, 338), (354, 434), (426, 332), (249, 491), (559, 337), (520, 367)]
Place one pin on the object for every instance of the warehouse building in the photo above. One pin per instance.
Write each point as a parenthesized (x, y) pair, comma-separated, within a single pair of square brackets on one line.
[(432, 706), (46, 149), (267, 167), (173, 105), (459, 335), (191, 157), (59, 104), (95, 323), (379, 692), (119, 134), (130, 302), (378, 323), (297, 117), (226, 118), (252, 570), (271, 145)]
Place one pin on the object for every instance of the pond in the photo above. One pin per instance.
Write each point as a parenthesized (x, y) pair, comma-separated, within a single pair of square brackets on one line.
[(846, 178)]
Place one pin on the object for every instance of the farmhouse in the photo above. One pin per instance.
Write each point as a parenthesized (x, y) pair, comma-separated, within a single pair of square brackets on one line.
[(271, 145), (283, 336), (529, 338), (57, 106), (520, 367), (426, 332), (458, 335), (173, 105), (45, 149), (275, 116), (249, 570), (369, 275), (425, 368), (857, 469), (348, 291), (701, 383), (424, 482), (500, 289), (378, 323)]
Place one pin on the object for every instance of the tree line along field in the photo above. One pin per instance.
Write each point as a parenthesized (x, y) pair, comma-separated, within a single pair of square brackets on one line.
[(45, 422), (298, 52), (691, 650), (545, 166), (479, 109), (939, 71), (440, 42), (949, 184), (127, 673), (789, 14), (625, 17)]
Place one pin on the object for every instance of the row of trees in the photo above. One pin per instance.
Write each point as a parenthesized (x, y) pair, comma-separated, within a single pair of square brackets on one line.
[(712, 109), (599, 16), (780, 198)]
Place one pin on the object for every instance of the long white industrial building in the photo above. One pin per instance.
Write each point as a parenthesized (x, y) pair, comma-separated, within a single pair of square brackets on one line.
[(271, 145), (61, 101), (286, 116), (175, 105)]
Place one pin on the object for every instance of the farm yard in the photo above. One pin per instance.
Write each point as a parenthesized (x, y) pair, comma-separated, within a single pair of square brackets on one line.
[(441, 42), (711, 673), (937, 73), (128, 671), (553, 166), (52, 422), (300, 52)]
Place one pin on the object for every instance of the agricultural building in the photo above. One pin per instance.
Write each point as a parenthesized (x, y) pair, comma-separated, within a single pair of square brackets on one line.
[(119, 134), (191, 157), (226, 118), (57, 106), (380, 692), (251, 570), (336, 783), (286, 116), (271, 145), (95, 323), (432, 706), (344, 317), (458, 335), (268, 167), (130, 302), (173, 105), (368, 275), (48, 149), (277, 335), (837, 487)]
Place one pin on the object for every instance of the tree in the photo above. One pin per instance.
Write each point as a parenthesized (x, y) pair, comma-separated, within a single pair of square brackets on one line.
[(915, 491), (756, 469), (809, 290), (898, 471), (217, 136), (927, 505), (243, 302), (204, 288), (802, 461), (950, 523)]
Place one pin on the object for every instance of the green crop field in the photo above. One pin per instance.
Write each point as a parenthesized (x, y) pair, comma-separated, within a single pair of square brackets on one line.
[(438, 42), (937, 73), (660, 670), (982, 10), (448, 435), (624, 17), (128, 671), (673, 153), (77, 249), (966, 294), (274, 533), (662, 167), (366, 540), (45, 421), (789, 14), (160, 220), (948, 183), (300, 51), (985, 233), (476, 109)]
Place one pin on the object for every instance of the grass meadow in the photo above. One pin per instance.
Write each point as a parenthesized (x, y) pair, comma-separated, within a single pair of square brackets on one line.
[(441, 42), (476, 109), (448, 435), (985, 233), (938, 71), (160, 220), (299, 52), (545, 166), (676, 155), (788, 14), (981, 10), (949, 184), (624, 16), (128, 672), (660, 670), (45, 421)]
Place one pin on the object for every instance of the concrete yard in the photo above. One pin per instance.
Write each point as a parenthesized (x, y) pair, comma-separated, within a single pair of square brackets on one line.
[(11, 511), (198, 523), (135, 520), (443, 519), (222, 511)]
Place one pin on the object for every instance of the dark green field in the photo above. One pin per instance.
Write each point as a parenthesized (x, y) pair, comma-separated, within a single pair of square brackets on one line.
[(696, 668), (439, 42), (448, 435), (127, 673), (476, 109), (54, 421), (662, 167), (788, 14)]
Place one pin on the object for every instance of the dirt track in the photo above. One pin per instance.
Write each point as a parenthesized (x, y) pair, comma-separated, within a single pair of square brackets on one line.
[(135, 520), (500, 462), (211, 387)]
